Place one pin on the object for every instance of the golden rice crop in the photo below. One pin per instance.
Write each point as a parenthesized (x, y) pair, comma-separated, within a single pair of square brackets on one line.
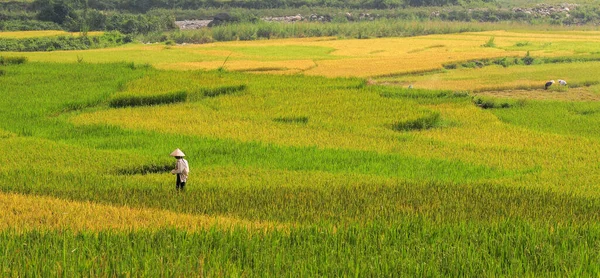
[(332, 57), (28, 212), (5, 134)]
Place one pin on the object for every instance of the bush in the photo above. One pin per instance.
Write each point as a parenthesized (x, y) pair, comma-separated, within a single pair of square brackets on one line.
[(222, 33), (63, 42), (27, 25), (528, 60), (492, 103)]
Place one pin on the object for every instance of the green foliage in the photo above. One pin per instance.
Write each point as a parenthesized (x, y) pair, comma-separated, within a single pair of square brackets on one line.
[(145, 169), (528, 60), (566, 118), (134, 100), (490, 42), (133, 23), (420, 93), (28, 25), (490, 103), (10, 60), (222, 90), (425, 122), (63, 42), (57, 11), (521, 44), (296, 120), (362, 29)]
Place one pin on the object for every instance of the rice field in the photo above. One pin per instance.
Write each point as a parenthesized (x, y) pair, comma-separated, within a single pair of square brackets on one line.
[(334, 57), (332, 172)]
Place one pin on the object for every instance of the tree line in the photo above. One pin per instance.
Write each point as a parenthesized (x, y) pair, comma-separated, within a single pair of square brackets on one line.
[(142, 6)]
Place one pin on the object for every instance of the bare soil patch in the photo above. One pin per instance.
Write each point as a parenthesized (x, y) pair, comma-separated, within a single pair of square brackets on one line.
[(574, 94)]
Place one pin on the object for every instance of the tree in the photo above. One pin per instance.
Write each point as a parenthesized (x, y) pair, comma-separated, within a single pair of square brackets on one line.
[(57, 11)]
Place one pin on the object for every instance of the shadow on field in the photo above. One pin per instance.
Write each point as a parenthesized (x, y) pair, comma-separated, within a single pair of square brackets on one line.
[(146, 169), (132, 100)]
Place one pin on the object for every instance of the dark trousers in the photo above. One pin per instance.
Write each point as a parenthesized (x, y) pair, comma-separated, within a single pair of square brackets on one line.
[(180, 185)]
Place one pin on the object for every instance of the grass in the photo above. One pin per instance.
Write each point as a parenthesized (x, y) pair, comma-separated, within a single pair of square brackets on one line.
[(298, 175)]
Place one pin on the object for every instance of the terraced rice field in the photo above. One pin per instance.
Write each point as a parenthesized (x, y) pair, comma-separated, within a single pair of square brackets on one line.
[(339, 171)]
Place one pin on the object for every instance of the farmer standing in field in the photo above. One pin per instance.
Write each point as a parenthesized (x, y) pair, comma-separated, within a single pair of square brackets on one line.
[(181, 169)]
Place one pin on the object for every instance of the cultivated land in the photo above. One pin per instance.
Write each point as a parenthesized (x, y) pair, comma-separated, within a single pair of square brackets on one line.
[(327, 166)]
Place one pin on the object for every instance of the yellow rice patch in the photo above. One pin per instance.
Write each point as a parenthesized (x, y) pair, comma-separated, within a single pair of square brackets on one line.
[(362, 58), (24, 213)]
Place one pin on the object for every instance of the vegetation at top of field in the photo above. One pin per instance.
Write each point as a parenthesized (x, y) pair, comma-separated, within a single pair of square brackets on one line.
[(131, 17), (51, 41), (46, 33)]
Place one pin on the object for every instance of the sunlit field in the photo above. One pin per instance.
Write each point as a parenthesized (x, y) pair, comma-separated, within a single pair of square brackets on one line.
[(340, 57), (308, 157)]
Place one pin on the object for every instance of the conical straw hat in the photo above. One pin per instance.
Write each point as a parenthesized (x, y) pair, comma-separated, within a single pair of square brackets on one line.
[(177, 152)]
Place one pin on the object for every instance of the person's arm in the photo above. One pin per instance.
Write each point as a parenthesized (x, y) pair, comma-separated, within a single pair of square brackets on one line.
[(178, 168)]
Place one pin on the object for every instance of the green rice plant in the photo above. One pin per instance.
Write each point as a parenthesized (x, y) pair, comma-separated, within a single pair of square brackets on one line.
[(512, 247), (421, 123), (133, 100), (490, 42), (146, 169), (491, 103), (568, 118), (299, 120), (521, 44), (12, 60), (222, 90), (421, 93)]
